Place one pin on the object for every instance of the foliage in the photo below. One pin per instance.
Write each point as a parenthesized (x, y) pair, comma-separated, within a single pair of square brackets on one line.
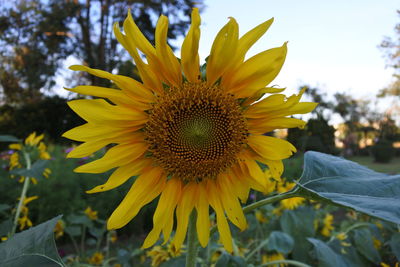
[(37, 36), (50, 116), (383, 151)]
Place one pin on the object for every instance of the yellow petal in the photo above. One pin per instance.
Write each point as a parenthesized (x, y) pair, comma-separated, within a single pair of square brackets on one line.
[(165, 210), (149, 78), (222, 224), (203, 217), (255, 175), (223, 47), (261, 126), (230, 202), (98, 111), (15, 146), (184, 209), (122, 174), (257, 72), (116, 156), (171, 66), (88, 148), (190, 48), (239, 184), (270, 147), (147, 187), (130, 86)]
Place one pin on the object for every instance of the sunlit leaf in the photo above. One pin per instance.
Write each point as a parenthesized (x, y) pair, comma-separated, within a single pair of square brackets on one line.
[(33, 247), (351, 185)]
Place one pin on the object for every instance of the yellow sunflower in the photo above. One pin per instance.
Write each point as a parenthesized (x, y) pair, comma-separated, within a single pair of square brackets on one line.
[(194, 138)]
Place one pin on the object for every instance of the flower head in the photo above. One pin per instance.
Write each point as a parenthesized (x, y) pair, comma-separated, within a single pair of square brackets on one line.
[(192, 137), (23, 220), (96, 259), (35, 148), (327, 227), (91, 213)]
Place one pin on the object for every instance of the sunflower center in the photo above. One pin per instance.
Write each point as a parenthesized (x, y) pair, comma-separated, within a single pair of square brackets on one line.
[(196, 131)]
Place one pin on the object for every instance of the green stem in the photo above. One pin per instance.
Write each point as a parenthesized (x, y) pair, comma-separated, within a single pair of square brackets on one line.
[(289, 262), (83, 237), (191, 254), (23, 195)]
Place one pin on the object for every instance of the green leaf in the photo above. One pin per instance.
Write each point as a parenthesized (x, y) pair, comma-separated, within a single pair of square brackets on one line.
[(80, 219), (365, 245), (5, 227), (4, 207), (33, 247), (36, 170), (9, 138), (395, 245), (299, 224), (175, 262), (280, 242), (351, 185), (228, 260), (326, 256), (73, 230)]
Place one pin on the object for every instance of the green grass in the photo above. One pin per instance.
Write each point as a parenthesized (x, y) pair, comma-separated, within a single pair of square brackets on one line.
[(393, 167)]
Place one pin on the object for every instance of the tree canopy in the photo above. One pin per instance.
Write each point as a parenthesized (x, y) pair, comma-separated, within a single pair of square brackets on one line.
[(37, 36)]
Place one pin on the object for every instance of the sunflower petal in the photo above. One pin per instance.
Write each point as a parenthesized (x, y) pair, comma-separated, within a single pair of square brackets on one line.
[(261, 126), (146, 187), (257, 72), (270, 147), (121, 175), (203, 217), (224, 46), (116, 156), (190, 48)]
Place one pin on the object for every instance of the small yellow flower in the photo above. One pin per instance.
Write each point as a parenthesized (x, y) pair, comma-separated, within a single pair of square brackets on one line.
[(91, 213), (97, 258), (328, 227), (158, 255), (59, 228), (384, 264), (273, 257), (377, 243), (113, 236), (260, 217), (117, 265), (341, 236), (4, 238)]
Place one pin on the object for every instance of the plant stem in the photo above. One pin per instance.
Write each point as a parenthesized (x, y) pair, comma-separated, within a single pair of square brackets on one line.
[(191, 254), (23, 194)]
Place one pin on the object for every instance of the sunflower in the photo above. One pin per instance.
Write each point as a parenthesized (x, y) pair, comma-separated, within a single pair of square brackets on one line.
[(193, 136)]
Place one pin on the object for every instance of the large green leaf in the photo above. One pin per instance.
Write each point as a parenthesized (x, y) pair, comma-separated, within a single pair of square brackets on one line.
[(280, 242), (326, 256), (395, 245), (346, 183), (365, 245), (33, 247), (36, 170), (9, 138)]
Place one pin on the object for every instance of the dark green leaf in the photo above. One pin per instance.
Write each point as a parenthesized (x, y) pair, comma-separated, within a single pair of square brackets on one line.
[(223, 260), (175, 262), (9, 138), (35, 171), (299, 224), (326, 256), (280, 242), (4, 207), (33, 247), (348, 184), (80, 219), (5, 227), (365, 245), (73, 230), (395, 245)]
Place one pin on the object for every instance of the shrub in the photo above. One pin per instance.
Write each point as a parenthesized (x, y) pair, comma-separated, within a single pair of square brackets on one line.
[(383, 151)]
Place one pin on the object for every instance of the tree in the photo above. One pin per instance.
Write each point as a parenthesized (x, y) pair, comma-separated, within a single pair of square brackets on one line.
[(37, 36), (391, 49)]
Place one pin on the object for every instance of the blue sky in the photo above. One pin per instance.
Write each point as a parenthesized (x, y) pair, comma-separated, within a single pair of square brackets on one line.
[(332, 44)]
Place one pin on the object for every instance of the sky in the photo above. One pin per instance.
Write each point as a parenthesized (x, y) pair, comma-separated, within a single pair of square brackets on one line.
[(333, 45)]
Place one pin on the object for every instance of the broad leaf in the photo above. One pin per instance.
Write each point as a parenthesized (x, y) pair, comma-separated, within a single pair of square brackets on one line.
[(351, 185), (5, 227), (365, 245), (33, 247), (9, 138), (395, 245), (326, 256), (280, 242), (36, 170)]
